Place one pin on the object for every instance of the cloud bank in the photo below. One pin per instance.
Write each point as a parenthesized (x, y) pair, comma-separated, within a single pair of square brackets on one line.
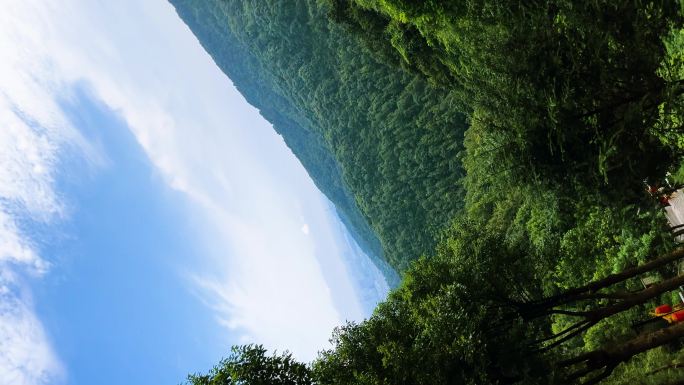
[(269, 262), (35, 135)]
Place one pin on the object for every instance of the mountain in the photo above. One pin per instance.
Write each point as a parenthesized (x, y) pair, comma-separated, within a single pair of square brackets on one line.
[(381, 143)]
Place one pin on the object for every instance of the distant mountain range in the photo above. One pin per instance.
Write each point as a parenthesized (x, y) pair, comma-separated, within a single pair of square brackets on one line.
[(379, 142)]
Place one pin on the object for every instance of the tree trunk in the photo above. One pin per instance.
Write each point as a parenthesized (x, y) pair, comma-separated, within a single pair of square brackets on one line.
[(592, 317), (579, 292), (608, 358), (676, 365), (636, 299)]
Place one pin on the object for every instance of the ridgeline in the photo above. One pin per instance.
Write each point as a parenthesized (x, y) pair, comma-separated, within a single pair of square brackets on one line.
[(378, 141)]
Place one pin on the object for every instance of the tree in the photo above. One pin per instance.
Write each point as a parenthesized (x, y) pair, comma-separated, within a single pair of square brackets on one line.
[(578, 86), (444, 324), (606, 359), (250, 365), (461, 317)]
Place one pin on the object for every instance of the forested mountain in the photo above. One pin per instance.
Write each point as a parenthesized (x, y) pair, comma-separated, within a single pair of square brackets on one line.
[(558, 268), (571, 89), (379, 141)]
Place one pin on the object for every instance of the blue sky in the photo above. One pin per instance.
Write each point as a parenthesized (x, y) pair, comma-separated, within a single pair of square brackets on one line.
[(149, 217)]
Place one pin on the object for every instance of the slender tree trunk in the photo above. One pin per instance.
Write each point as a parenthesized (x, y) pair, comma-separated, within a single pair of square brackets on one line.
[(636, 299), (607, 359), (676, 365), (582, 292), (590, 318)]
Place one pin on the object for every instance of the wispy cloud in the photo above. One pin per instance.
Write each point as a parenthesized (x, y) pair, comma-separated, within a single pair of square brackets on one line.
[(26, 357), (260, 272), (34, 135), (269, 257)]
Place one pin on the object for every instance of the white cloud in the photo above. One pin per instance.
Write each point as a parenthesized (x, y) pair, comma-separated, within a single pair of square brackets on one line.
[(262, 273), (264, 277), (25, 356), (35, 134)]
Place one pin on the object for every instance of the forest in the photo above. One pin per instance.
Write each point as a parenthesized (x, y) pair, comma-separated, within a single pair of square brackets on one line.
[(378, 141), (495, 154)]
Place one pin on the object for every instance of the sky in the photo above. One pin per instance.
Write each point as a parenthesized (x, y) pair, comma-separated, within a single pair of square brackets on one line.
[(149, 217)]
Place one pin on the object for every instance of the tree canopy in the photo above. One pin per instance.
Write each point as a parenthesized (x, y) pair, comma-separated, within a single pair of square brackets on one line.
[(507, 144)]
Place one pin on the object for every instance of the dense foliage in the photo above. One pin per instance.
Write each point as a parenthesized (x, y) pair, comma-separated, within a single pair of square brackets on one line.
[(470, 314), (376, 140), (249, 364), (571, 89), (570, 106)]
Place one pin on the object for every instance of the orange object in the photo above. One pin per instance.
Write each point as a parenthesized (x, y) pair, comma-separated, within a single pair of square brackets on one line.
[(678, 316), (663, 309)]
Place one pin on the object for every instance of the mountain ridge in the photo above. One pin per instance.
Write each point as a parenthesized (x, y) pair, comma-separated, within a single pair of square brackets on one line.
[(393, 181)]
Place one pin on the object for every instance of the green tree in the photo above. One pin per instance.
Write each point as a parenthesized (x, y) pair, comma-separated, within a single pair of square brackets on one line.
[(578, 86), (445, 323), (250, 365)]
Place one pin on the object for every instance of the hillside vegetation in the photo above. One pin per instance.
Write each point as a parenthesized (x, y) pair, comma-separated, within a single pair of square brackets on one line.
[(531, 274), (379, 141)]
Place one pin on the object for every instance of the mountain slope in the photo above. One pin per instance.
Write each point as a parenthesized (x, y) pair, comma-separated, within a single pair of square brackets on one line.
[(379, 142)]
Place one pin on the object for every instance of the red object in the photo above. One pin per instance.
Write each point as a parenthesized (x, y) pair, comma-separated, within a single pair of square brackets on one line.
[(678, 316), (665, 201), (663, 309)]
